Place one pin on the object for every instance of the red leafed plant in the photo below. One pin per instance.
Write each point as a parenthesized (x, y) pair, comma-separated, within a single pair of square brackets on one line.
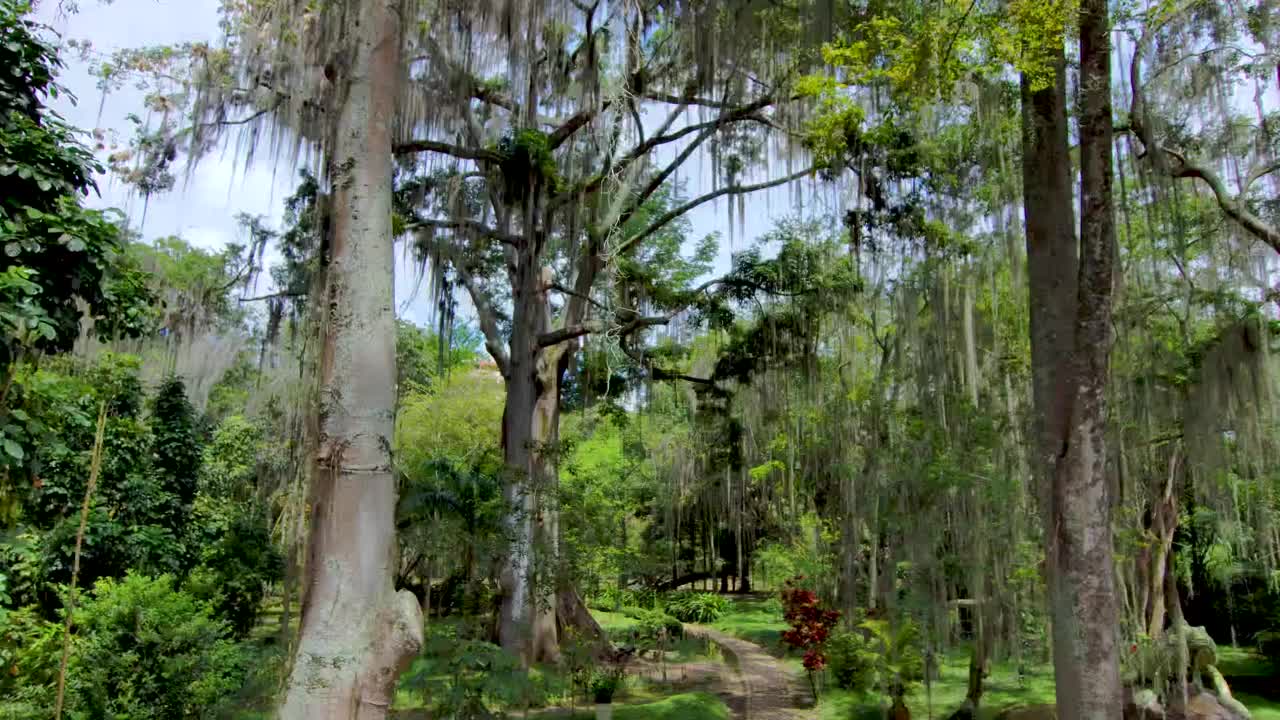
[(810, 623)]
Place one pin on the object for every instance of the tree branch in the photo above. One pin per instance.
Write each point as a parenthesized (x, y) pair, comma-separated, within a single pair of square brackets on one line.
[(675, 213), (708, 128), (1233, 206), (272, 296), (411, 147), (555, 337), (573, 124), (488, 319), (469, 225)]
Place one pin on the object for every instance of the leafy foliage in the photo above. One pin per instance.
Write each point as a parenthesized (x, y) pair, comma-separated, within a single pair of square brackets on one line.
[(811, 624), (877, 656), (146, 650), (49, 240), (697, 607)]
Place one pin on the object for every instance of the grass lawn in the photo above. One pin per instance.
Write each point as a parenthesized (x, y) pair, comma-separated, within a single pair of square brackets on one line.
[(685, 706), (1002, 689), (758, 621), (615, 624), (1249, 674)]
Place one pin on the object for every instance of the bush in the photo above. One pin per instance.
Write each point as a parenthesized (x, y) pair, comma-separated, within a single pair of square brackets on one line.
[(653, 623), (852, 660), (605, 683), (468, 679), (237, 564), (30, 649), (144, 650), (697, 607)]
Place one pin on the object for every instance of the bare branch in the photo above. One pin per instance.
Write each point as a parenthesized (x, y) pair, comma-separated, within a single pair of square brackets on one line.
[(471, 226), (273, 296), (411, 147), (564, 334), (570, 332), (573, 293), (675, 213), (662, 137), (573, 124), (1257, 173)]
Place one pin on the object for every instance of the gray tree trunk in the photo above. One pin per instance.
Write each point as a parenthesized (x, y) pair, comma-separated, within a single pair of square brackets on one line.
[(530, 420), (357, 633), (1070, 302)]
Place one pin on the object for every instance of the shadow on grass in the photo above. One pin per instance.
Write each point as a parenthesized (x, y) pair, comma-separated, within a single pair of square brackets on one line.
[(685, 706)]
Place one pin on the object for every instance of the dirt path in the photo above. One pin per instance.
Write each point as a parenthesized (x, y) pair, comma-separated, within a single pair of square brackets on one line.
[(762, 688)]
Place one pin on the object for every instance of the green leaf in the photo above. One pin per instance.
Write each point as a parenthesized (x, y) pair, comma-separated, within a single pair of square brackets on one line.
[(12, 249), (13, 449)]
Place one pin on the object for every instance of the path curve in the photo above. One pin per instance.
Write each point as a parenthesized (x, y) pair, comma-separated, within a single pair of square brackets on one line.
[(765, 689)]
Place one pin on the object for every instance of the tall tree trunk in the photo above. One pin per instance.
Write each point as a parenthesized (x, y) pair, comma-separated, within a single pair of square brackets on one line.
[(357, 633), (1087, 616), (1070, 353), (529, 418)]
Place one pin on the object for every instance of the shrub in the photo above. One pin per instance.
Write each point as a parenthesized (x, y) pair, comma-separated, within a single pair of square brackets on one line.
[(606, 682), (469, 679), (852, 661), (810, 623), (1269, 645), (144, 650), (236, 565), (697, 607), (30, 649), (653, 623)]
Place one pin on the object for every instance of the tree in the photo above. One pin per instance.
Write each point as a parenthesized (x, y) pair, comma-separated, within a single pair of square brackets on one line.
[(537, 215), (56, 252), (57, 255), (356, 632), (1079, 528)]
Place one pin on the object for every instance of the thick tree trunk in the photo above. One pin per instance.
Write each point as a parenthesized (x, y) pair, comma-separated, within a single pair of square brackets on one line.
[(1086, 617), (529, 424), (357, 633), (1070, 316)]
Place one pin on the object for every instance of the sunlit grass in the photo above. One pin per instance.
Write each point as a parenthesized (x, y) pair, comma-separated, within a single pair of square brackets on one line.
[(685, 706), (754, 620), (1002, 689), (1250, 673), (615, 624)]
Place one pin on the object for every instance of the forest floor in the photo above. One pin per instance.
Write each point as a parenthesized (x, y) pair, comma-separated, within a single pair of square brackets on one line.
[(737, 669)]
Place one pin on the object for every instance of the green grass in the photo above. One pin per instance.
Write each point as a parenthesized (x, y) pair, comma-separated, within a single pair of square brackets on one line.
[(755, 620), (1248, 673), (614, 623), (685, 706), (1002, 690)]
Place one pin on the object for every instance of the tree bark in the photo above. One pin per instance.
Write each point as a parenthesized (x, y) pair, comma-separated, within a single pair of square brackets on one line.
[(529, 424), (357, 634), (1070, 355)]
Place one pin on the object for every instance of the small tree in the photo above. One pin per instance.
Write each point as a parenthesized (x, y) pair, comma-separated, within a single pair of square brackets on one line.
[(811, 625)]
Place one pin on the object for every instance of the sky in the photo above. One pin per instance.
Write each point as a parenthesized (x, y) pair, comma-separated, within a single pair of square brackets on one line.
[(203, 209)]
